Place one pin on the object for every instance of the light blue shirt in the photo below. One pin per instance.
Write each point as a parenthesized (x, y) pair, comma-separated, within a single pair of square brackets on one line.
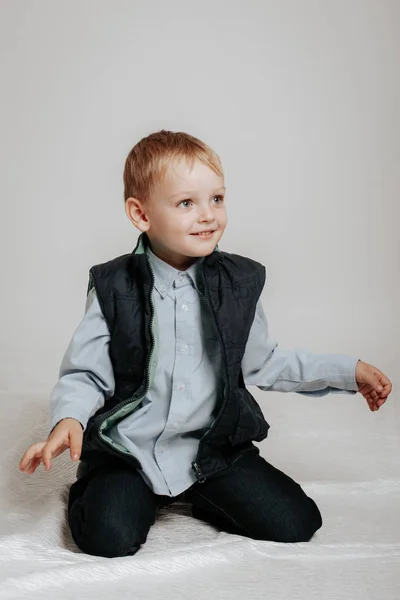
[(163, 434)]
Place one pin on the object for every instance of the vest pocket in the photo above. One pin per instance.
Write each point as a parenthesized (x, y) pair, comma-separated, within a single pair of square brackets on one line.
[(251, 424)]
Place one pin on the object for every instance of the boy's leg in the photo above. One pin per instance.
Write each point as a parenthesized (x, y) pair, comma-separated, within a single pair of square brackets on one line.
[(254, 499), (111, 510)]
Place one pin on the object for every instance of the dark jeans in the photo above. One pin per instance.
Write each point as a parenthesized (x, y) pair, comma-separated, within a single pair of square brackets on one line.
[(111, 510)]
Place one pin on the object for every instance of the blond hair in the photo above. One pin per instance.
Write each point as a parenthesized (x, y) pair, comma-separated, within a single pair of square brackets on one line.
[(147, 162)]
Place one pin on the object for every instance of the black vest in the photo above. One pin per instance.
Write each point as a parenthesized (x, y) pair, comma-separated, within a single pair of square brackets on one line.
[(232, 285)]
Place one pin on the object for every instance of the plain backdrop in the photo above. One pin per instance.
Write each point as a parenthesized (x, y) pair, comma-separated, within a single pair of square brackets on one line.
[(300, 98)]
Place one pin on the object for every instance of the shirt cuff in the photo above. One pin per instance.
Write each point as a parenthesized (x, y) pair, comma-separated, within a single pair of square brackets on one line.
[(341, 372), (56, 418)]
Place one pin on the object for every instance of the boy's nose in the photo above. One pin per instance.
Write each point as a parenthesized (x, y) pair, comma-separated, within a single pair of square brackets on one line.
[(206, 215)]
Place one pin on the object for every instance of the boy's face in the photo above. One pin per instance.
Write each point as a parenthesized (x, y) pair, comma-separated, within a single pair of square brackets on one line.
[(185, 203)]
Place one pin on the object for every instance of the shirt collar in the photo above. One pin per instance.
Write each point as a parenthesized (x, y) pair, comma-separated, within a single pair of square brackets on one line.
[(165, 274)]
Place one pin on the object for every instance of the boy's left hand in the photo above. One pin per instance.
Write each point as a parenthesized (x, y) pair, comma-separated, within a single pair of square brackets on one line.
[(372, 384)]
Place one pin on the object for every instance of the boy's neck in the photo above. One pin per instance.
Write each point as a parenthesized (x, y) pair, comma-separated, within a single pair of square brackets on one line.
[(180, 265)]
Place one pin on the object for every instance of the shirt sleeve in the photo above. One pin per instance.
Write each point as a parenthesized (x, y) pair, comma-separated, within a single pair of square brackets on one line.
[(271, 368), (86, 375)]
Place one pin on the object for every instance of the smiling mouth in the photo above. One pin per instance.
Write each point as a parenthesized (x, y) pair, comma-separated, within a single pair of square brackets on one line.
[(204, 233)]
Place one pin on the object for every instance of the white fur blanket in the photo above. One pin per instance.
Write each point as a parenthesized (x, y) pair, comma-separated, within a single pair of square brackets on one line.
[(344, 456)]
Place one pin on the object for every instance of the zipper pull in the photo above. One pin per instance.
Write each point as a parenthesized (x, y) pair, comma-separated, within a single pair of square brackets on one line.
[(199, 475)]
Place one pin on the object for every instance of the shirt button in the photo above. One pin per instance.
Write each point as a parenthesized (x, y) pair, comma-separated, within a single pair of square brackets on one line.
[(184, 307), (176, 424), (184, 347), (162, 448), (181, 386)]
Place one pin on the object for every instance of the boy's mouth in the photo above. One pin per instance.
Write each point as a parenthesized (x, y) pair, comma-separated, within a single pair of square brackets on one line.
[(206, 233)]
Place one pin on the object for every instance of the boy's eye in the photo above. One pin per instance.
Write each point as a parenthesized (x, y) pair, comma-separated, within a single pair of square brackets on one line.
[(183, 202), (221, 198)]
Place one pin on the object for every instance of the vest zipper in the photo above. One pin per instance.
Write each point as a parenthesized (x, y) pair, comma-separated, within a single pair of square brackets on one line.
[(147, 374), (199, 473), (201, 478)]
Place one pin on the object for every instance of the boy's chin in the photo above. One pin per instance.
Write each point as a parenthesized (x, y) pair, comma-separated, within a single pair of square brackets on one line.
[(201, 248)]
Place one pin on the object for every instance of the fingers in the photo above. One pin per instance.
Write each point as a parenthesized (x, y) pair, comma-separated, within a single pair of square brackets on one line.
[(387, 388), (50, 450), (35, 462), (30, 457), (68, 433), (75, 442), (381, 388), (385, 384), (375, 400), (371, 397), (381, 397)]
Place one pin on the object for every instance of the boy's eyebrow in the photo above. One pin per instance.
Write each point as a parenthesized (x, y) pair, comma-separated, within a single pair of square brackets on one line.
[(189, 192)]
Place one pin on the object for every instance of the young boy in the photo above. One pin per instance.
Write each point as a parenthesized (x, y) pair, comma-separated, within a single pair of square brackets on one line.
[(152, 392)]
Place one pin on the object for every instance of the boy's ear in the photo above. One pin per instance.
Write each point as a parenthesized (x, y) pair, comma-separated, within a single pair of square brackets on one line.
[(136, 213)]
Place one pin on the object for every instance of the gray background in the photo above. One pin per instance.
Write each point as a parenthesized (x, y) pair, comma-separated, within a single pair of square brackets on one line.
[(301, 101)]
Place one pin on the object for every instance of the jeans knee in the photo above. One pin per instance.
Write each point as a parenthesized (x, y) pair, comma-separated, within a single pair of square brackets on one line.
[(303, 526), (104, 540), (293, 526), (109, 547)]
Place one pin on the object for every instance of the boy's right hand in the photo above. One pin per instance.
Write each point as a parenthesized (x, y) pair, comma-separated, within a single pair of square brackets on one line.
[(67, 434)]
